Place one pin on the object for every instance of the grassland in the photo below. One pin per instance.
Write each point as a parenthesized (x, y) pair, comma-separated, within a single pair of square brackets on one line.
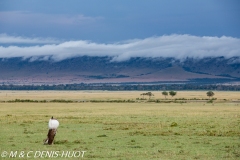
[(140, 130)]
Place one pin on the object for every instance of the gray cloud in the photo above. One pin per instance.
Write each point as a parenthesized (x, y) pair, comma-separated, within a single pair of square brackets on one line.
[(177, 46)]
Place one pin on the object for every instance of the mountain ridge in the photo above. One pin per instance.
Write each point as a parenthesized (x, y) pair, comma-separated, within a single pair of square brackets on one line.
[(88, 69)]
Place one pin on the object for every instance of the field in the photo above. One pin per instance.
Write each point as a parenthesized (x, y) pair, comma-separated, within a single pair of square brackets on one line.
[(137, 130)]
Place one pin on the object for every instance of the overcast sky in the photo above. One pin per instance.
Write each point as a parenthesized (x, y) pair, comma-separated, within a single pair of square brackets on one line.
[(121, 29)]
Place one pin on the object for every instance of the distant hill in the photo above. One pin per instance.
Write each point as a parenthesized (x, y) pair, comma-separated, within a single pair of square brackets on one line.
[(102, 70)]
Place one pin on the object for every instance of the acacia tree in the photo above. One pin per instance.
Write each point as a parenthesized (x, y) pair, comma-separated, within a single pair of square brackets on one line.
[(172, 93), (165, 93), (210, 94), (147, 94), (150, 94), (143, 94)]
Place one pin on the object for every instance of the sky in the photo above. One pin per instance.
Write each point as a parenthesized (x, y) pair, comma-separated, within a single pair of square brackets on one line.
[(120, 29)]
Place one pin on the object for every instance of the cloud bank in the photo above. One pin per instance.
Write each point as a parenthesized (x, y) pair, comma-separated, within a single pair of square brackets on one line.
[(176, 46)]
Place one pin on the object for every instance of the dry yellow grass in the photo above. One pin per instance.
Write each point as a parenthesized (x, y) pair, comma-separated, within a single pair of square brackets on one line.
[(148, 109), (108, 95)]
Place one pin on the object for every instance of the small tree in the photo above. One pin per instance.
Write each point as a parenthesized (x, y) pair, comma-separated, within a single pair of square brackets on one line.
[(149, 94), (172, 93), (143, 94), (165, 93), (210, 94)]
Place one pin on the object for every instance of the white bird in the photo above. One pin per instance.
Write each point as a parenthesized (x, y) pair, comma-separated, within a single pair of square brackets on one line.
[(53, 123)]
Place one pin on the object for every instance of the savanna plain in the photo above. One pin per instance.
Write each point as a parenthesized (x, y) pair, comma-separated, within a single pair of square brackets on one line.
[(121, 125)]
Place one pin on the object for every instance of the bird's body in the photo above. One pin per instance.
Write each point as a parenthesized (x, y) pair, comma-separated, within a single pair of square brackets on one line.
[(52, 125)]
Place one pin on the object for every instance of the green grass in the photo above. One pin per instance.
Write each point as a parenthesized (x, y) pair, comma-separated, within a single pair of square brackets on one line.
[(124, 130)]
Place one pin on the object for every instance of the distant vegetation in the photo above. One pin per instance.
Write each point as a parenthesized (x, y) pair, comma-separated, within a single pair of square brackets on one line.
[(165, 94), (137, 100), (172, 93), (123, 87), (210, 94), (149, 94)]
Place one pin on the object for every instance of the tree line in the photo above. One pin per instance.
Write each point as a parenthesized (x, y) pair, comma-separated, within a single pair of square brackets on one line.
[(172, 93), (122, 87)]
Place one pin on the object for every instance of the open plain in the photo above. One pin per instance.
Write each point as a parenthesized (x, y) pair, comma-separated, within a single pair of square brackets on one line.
[(132, 129)]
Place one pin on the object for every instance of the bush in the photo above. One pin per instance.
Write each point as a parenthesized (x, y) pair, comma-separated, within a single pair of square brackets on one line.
[(173, 124), (210, 101)]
